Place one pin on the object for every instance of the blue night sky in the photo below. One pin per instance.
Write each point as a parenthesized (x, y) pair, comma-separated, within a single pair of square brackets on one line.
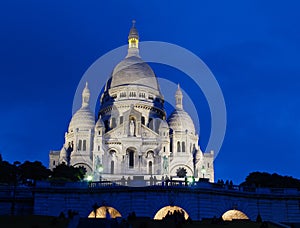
[(252, 48)]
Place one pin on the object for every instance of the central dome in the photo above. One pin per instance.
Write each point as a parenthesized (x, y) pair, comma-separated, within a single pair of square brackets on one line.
[(133, 71)]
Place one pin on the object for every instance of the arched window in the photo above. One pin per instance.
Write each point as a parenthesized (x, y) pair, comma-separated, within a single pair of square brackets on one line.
[(131, 159), (183, 147), (113, 122), (143, 120), (150, 167), (171, 144), (178, 146), (84, 145), (123, 94), (53, 163), (121, 119), (79, 144), (132, 94), (164, 149), (112, 167)]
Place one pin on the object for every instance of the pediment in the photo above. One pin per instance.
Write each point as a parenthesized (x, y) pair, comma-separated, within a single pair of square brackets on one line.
[(117, 132), (148, 133)]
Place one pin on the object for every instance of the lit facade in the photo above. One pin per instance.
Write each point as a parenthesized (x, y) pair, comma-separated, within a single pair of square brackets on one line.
[(132, 135)]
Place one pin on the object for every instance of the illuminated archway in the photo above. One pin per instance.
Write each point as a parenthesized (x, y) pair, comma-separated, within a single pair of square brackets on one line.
[(169, 209), (102, 213), (234, 214)]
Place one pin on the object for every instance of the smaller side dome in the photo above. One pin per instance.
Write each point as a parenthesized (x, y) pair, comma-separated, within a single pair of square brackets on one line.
[(163, 124), (83, 118), (99, 123), (180, 120), (63, 155)]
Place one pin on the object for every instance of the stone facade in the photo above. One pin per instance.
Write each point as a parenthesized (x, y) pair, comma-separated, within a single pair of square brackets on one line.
[(133, 135)]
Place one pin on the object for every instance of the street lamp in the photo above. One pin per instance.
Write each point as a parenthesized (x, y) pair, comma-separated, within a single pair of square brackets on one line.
[(190, 180)]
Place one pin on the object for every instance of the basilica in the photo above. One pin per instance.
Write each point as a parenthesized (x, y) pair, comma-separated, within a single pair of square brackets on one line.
[(132, 136)]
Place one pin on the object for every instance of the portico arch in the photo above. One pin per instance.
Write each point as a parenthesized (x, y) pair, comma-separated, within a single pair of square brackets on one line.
[(131, 153), (86, 166)]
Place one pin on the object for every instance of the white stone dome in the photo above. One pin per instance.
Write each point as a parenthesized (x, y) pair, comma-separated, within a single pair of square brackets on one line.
[(180, 120), (133, 71), (82, 119), (163, 124)]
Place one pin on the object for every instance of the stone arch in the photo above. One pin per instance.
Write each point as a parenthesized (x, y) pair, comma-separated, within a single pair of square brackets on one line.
[(110, 149), (175, 167), (237, 204), (104, 212), (112, 152), (106, 199), (150, 154), (234, 214), (172, 198), (85, 165), (161, 213)]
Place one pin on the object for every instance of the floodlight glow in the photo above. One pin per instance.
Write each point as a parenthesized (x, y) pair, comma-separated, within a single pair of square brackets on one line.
[(190, 180), (89, 178), (100, 169)]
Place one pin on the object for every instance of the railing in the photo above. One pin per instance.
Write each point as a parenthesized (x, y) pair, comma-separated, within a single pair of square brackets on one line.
[(167, 184)]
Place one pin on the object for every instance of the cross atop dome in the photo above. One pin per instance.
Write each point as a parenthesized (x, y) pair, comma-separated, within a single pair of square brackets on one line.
[(85, 95), (178, 97), (133, 41), (133, 33)]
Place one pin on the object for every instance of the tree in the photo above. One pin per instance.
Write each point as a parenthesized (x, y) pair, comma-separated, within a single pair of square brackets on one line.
[(68, 173), (263, 179), (7, 173), (33, 171)]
